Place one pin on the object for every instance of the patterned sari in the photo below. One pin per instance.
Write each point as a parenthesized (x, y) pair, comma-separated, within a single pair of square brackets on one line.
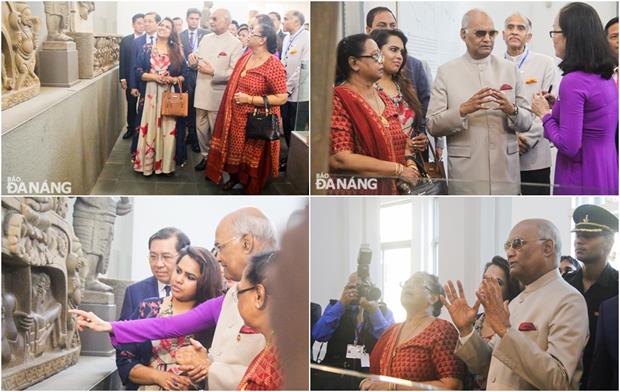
[(264, 373), (255, 161)]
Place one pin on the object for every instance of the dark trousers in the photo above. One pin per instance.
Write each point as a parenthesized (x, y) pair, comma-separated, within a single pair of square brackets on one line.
[(136, 134), (540, 176), (190, 120), (132, 110), (294, 113)]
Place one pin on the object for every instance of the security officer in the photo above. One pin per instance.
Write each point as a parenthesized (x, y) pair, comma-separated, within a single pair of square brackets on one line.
[(351, 327), (597, 280)]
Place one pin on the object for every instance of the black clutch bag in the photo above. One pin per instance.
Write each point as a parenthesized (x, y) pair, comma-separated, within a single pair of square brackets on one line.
[(263, 126)]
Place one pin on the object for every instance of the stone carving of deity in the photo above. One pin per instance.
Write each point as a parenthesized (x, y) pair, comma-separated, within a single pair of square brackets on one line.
[(57, 17)]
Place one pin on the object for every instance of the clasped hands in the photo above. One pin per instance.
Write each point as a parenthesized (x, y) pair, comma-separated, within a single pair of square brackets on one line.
[(194, 361), (489, 295), (201, 65), (487, 95)]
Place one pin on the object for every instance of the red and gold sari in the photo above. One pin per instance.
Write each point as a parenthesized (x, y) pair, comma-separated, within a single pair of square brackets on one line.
[(255, 161), (357, 128), (264, 373)]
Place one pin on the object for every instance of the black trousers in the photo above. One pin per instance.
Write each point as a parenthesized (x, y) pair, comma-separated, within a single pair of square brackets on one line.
[(132, 110), (294, 113), (190, 120), (540, 176)]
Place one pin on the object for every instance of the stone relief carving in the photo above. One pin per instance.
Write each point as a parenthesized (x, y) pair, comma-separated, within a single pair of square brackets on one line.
[(93, 222), (206, 13), (57, 18), (19, 46), (42, 274), (85, 8), (107, 51)]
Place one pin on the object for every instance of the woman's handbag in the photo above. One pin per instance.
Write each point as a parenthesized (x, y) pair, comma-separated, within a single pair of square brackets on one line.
[(263, 126), (175, 104), (432, 179)]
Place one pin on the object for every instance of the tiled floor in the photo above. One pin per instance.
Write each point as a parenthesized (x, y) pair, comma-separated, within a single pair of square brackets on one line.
[(119, 178)]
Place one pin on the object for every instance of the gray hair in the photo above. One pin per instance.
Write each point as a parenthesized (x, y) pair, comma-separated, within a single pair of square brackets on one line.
[(259, 227), (547, 230), (432, 285), (299, 17), (465, 21), (528, 22)]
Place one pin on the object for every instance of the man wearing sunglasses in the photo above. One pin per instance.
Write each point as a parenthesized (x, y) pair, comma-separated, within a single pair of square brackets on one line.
[(478, 102), (594, 230), (540, 336)]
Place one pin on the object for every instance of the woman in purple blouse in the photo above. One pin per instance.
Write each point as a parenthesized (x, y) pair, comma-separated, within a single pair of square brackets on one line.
[(582, 123)]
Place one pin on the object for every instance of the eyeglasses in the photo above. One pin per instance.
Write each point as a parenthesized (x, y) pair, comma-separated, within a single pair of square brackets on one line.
[(484, 33), (518, 243), (217, 248), (239, 292), (166, 257), (253, 34), (554, 32), (378, 57)]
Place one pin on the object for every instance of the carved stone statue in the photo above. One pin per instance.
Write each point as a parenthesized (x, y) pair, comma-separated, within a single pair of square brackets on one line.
[(42, 262), (93, 222), (85, 8), (19, 45), (57, 14), (206, 13)]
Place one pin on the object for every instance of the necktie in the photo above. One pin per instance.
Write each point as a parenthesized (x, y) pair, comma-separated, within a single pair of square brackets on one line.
[(152, 38), (191, 40), (167, 289)]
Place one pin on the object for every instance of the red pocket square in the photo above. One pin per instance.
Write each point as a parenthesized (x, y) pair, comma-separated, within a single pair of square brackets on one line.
[(247, 330), (221, 54), (505, 86), (527, 326)]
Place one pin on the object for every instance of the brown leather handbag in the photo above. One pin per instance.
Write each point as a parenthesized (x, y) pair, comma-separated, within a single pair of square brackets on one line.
[(175, 104)]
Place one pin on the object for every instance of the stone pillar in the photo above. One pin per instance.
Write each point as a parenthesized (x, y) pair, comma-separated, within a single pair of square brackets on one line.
[(103, 305), (58, 64)]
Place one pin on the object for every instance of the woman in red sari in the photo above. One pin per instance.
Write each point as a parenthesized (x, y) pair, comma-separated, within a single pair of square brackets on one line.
[(264, 372), (366, 134), (258, 73), (422, 348)]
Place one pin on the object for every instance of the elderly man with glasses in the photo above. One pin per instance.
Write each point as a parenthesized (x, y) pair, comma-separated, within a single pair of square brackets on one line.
[(478, 103), (541, 334)]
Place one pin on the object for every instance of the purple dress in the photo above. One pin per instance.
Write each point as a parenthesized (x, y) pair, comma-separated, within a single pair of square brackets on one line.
[(203, 316), (582, 126)]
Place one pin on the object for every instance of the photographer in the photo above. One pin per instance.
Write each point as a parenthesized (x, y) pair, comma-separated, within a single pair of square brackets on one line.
[(351, 326)]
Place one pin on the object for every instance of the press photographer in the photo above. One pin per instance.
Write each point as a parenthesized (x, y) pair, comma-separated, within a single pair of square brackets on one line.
[(351, 326)]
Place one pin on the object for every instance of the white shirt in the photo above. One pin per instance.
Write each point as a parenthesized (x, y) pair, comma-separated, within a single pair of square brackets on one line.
[(295, 51), (161, 289)]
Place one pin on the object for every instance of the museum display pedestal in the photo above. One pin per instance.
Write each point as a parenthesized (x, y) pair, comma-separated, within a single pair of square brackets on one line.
[(103, 305), (58, 64), (89, 374), (297, 167)]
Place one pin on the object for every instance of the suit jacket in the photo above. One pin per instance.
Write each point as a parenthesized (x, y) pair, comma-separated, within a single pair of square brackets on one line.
[(125, 59), (604, 369), (200, 33), (482, 146), (538, 73), (231, 352), (294, 53), (134, 81), (546, 357), (135, 294), (222, 52)]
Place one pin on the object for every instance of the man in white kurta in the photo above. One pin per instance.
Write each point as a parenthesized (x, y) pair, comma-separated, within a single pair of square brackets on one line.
[(539, 73), (477, 102), (540, 336), (215, 59), (295, 55)]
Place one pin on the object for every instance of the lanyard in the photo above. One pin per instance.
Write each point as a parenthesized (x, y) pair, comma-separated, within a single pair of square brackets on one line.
[(527, 53), (290, 43)]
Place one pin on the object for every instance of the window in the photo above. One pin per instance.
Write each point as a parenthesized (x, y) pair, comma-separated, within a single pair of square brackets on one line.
[(610, 204), (408, 241)]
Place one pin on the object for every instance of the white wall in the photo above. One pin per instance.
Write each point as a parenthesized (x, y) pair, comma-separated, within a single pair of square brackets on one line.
[(471, 231), (238, 9)]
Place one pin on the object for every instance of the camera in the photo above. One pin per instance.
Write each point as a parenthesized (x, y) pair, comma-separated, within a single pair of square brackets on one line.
[(364, 287)]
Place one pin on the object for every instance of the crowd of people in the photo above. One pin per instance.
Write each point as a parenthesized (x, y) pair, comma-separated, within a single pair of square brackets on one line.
[(228, 71), (545, 325), (204, 319), (499, 115)]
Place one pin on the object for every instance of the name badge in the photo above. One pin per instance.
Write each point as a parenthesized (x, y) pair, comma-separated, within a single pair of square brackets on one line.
[(365, 360), (355, 351)]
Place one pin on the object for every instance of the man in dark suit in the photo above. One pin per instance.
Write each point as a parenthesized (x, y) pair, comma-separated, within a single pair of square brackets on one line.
[(164, 247), (604, 370), (190, 39), (277, 23), (137, 87), (125, 69)]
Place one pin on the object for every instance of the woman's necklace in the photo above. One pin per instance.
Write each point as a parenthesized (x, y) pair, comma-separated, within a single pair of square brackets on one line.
[(254, 60), (376, 107)]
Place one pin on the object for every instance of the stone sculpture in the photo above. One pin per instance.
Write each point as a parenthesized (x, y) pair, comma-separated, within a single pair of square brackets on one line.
[(19, 46), (93, 222), (85, 8), (42, 269), (206, 13), (57, 17)]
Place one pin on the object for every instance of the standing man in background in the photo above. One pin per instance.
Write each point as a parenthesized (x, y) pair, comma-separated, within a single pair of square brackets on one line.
[(125, 69)]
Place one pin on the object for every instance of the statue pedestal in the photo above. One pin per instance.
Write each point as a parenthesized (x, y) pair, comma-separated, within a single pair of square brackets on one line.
[(103, 305), (58, 64)]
